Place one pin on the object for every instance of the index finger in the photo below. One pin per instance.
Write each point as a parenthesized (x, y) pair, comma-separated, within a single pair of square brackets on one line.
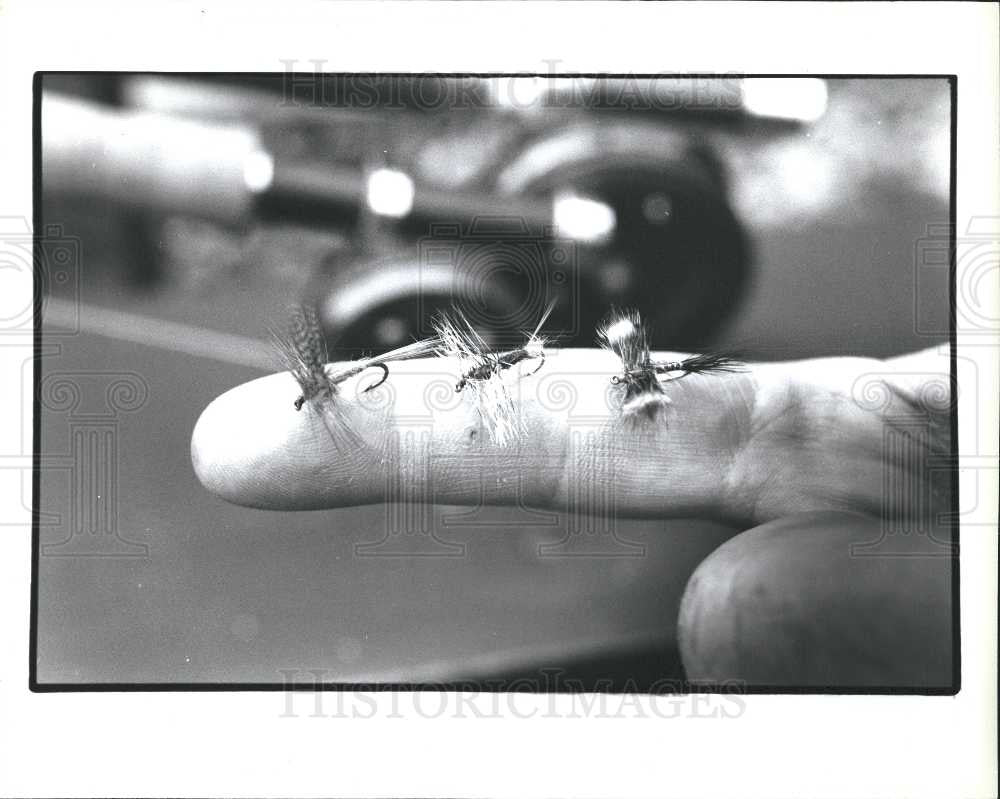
[(415, 439)]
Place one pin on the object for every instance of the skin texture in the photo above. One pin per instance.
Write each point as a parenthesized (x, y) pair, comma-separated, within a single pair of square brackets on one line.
[(842, 576)]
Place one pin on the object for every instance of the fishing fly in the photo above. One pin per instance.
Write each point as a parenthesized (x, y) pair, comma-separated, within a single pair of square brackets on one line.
[(303, 350), (628, 338), (483, 368)]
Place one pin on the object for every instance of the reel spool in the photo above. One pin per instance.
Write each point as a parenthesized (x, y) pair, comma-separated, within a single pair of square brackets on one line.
[(677, 253), (377, 303)]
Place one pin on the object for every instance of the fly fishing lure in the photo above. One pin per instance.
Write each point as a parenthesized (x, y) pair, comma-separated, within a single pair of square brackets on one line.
[(491, 363), (627, 337), (483, 368), (304, 353)]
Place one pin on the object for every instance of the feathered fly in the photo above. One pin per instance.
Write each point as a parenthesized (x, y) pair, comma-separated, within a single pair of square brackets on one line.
[(627, 337), (483, 368), (302, 348)]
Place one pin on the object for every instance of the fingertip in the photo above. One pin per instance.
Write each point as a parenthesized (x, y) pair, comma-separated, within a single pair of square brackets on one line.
[(248, 446), (220, 446)]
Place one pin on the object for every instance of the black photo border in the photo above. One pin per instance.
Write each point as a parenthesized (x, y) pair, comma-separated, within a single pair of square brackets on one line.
[(492, 686)]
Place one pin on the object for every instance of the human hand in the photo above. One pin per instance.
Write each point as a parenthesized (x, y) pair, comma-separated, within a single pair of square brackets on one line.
[(795, 454)]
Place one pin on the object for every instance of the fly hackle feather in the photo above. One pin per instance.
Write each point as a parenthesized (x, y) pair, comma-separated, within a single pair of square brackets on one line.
[(626, 336), (479, 366), (482, 368), (705, 364), (302, 350)]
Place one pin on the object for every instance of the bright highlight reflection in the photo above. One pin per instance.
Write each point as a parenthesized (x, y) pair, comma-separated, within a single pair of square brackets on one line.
[(390, 193), (799, 99), (581, 219)]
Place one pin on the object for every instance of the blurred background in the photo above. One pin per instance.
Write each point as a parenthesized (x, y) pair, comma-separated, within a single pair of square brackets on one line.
[(184, 214)]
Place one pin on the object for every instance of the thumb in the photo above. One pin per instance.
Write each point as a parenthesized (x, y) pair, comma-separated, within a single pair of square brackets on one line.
[(807, 601)]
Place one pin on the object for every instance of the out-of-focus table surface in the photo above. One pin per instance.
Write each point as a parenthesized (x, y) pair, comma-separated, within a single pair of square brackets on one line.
[(229, 594)]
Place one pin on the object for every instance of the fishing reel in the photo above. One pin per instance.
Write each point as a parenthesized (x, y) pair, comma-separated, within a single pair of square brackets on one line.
[(592, 215), (575, 206)]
